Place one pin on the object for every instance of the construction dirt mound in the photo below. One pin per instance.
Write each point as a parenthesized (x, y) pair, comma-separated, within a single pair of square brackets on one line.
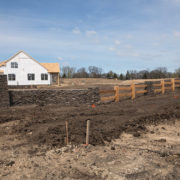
[(129, 140), (45, 125)]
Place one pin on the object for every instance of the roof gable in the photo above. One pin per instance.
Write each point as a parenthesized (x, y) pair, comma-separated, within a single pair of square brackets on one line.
[(4, 62), (50, 67)]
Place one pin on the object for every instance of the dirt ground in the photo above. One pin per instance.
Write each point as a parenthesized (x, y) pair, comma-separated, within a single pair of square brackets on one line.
[(102, 83), (137, 139)]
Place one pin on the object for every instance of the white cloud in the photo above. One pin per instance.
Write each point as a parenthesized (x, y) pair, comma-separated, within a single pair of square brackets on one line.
[(76, 31), (112, 49), (60, 58), (117, 42), (176, 34), (91, 32)]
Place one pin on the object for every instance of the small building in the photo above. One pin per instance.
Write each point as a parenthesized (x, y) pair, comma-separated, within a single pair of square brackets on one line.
[(22, 69)]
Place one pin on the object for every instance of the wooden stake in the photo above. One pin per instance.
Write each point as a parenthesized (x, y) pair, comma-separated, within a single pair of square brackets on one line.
[(173, 84), (162, 87), (116, 88), (67, 133), (133, 91), (87, 132)]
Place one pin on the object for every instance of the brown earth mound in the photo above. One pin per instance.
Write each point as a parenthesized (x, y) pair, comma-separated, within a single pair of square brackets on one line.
[(46, 125)]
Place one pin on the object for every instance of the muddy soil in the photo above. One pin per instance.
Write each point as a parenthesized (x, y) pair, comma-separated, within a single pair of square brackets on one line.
[(45, 125), (154, 155), (29, 132)]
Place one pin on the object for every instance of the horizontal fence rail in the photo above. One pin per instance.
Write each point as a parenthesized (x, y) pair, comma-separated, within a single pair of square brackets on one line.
[(134, 89)]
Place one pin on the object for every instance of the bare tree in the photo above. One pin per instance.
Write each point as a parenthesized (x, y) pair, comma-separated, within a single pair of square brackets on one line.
[(68, 71), (95, 72), (81, 73), (160, 72)]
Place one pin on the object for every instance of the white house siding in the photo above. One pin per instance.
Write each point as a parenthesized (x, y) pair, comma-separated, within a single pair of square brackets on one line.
[(25, 65)]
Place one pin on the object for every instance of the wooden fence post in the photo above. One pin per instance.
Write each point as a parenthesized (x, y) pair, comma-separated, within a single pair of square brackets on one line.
[(173, 84), (87, 132), (116, 88), (67, 134), (162, 87), (133, 91)]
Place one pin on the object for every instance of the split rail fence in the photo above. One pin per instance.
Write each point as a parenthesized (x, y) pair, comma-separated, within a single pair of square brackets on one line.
[(134, 89)]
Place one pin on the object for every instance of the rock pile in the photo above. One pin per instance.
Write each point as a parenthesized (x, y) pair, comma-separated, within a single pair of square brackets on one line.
[(55, 96)]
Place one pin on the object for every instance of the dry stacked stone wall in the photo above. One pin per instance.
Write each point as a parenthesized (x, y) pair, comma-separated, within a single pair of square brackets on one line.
[(54, 96), (4, 95)]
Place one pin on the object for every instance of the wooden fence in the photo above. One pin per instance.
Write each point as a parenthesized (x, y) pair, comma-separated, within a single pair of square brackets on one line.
[(134, 89)]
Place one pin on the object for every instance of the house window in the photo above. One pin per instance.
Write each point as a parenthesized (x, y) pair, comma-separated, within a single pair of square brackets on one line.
[(31, 77), (14, 65), (44, 76), (11, 77)]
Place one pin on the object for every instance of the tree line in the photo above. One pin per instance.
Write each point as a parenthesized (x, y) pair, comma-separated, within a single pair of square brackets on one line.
[(97, 72)]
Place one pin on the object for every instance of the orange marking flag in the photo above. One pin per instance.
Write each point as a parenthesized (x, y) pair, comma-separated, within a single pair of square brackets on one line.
[(93, 106)]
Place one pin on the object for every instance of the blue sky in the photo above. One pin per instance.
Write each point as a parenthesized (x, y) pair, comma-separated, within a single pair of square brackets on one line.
[(116, 35)]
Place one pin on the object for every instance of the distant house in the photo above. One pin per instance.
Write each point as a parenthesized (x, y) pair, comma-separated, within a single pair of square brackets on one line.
[(22, 69)]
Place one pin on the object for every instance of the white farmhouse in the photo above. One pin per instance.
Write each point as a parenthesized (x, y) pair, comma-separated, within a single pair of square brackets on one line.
[(22, 69)]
